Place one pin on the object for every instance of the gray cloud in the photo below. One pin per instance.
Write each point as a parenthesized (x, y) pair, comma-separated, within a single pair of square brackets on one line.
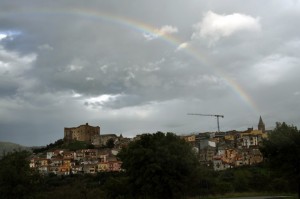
[(140, 66)]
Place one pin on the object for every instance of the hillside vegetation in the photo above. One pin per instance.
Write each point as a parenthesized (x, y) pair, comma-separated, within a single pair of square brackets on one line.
[(61, 144), (7, 147)]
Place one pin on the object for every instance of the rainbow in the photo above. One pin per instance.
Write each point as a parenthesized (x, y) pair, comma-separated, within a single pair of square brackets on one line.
[(145, 28)]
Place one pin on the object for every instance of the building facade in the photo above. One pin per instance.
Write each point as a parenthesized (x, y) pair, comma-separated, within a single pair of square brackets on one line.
[(84, 133)]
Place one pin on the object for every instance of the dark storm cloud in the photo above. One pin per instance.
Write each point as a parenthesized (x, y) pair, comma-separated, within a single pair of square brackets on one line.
[(67, 63)]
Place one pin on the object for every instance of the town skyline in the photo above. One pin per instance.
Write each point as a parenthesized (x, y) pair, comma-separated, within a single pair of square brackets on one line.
[(258, 126), (84, 150), (131, 70)]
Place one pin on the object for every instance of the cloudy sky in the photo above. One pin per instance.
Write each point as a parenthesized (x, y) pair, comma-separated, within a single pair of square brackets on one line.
[(136, 66)]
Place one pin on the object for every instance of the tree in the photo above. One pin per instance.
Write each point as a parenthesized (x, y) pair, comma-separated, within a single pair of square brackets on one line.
[(110, 143), (77, 145), (282, 151), (159, 166), (17, 180), (57, 144)]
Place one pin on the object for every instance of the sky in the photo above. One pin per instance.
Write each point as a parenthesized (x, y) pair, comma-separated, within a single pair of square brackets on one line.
[(137, 66)]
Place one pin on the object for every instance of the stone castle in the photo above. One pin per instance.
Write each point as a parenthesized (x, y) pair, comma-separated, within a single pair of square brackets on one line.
[(84, 133)]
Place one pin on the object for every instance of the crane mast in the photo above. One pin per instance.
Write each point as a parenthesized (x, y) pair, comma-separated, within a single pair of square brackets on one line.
[(212, 115)]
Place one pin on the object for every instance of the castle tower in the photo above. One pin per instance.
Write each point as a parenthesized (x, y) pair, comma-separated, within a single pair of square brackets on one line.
[(83, 132), (261, 125)]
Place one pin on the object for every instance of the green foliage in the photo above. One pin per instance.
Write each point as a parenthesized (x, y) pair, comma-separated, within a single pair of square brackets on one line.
[(259, 178), (7, 147), (116, 187), (56, 145), (60, 144), (17, 180), (103, 185), (241, 180), (282, 152), (77, 145), (110, 143), (159, 165), (279, 185), (223, 187), (203, 182)]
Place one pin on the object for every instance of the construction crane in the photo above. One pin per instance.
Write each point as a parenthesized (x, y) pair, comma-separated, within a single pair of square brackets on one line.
[(217, 116)]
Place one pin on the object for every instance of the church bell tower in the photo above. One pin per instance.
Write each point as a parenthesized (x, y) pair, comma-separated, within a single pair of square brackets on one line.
[(261, 125)]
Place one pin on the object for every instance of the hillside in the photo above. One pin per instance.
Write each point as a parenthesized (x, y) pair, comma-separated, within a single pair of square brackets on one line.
[(6, 147)]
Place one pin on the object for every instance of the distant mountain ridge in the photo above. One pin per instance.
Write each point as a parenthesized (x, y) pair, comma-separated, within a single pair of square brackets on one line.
[(6, 147)]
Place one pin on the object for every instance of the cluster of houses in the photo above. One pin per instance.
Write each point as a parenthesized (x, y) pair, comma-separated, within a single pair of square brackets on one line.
[(65, 162), (220, 151), (224, 150), (83, 161)]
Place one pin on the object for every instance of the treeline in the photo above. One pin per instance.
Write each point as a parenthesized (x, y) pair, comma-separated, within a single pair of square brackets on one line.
[(71, 145), (61, 144), (57, 144)]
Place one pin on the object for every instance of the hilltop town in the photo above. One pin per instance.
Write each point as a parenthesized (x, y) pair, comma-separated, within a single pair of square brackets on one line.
[(218, 150)]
